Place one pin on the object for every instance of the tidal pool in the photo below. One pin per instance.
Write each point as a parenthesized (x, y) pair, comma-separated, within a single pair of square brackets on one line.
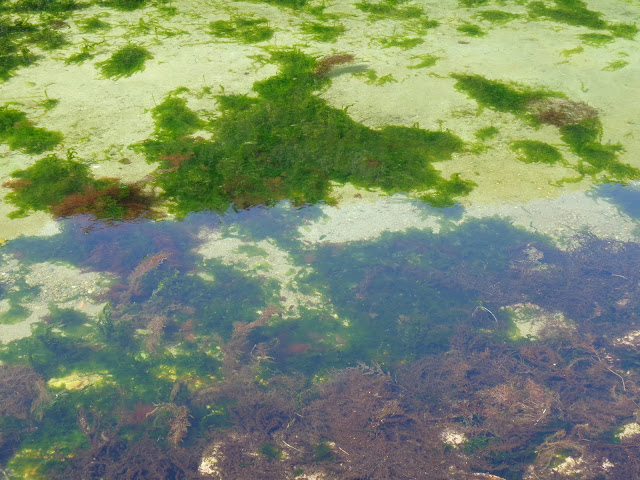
[(293, 239)]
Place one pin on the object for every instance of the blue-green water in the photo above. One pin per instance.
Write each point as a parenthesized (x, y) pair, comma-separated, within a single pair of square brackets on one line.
[(397, 344)]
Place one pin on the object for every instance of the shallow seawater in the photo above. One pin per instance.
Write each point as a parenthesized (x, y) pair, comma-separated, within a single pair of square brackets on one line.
[(299, 240)]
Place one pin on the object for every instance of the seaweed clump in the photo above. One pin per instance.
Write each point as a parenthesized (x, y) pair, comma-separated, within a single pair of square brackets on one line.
[(244, 29), (287, 143), (18, 132), (390, 9), (321, 32), (500, 96), (64, 187), (578, 123), (125, 62), (575, 12), (533, 151)]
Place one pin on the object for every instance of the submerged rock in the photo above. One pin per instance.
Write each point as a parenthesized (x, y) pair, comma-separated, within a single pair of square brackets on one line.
[(531, 321)]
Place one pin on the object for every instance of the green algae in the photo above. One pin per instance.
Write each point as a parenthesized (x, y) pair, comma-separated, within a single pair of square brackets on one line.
[(471, 30), (627, 31), (572, 51), (390, 9), (288, 143), (271, 451), (17, 131), (534, 151), (570, 12), (426, 61), (497, 17), (13, 54), (372, 78), (124, 5), (50, 6), (405, 43), (596, 39), (64, 187), (49, 39), (579, 127), (82, 56), (576, 13), (47, 181), (93, 25), (615, 65), (584, 138), (321, 32), (124, 62), (472, 3), (174, 118), (244, 29), (49, 103), (486, 133), (503, 97), (292, 4), (16, 314)]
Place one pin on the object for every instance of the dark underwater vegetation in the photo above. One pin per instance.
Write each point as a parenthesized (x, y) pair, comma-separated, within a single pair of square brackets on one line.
[(414, 339)]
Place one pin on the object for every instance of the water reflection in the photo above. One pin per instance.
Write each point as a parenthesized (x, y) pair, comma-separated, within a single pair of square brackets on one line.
[(233, 346)]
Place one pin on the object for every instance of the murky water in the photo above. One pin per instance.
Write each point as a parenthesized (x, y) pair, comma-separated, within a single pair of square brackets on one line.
[(299, 240)]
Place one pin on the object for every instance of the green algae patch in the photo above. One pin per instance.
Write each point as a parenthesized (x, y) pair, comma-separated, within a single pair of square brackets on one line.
[(292, 4), (287, 143), (80, 57), (93, 25), (174, 118), (243, 29), (125, 62), (500, 96), (472, 3), (390, 9), (471, 30), (596, 39), (486, 133), (15, 314), (49, 6), (38, 460), (533, 151), (578, 125), (64, 187), (584, 140), (125, 5), (18, 132), (47, 181), (12, 57), (615, 65), (48, 38), (576, 13), (405, 43), (321, 32), (497, 17), (426, 61)]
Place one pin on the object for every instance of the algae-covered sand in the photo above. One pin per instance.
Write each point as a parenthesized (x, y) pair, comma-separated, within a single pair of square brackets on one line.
[(387, 83)]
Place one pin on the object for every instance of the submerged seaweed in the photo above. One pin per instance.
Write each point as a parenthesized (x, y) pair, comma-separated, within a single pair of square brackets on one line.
[(415, 343)]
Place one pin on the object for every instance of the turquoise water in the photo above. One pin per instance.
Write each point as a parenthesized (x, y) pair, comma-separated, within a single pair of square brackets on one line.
[(299, 240)]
